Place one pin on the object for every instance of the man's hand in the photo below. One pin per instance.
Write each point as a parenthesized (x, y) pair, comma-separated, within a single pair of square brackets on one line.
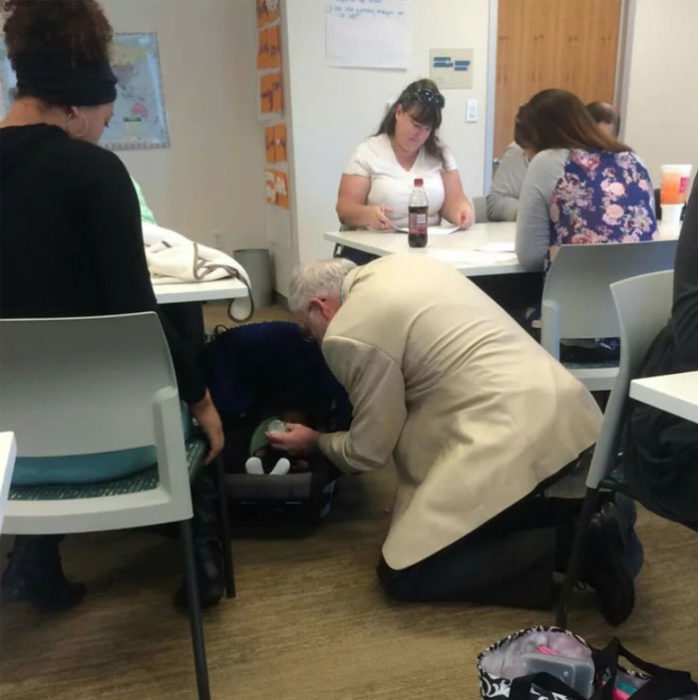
[(298, 440)]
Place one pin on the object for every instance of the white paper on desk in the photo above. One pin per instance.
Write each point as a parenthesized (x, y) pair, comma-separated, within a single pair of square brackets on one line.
[(432, 230), (360, 34), (497, 247), (475, 257)]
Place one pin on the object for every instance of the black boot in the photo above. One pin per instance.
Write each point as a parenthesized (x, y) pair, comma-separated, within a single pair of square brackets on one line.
[(34, 573), (607, 568), (207, 544)]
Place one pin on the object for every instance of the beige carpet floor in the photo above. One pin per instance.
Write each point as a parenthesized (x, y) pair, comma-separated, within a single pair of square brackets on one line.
[(309, 622)]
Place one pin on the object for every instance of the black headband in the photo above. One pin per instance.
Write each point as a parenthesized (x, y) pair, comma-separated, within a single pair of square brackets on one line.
[(56, 78)]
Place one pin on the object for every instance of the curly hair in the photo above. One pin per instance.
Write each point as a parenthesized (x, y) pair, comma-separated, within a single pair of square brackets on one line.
[(78, 28)]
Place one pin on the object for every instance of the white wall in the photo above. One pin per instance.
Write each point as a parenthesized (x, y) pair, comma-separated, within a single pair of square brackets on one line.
[(334, 109), (211, 177), (662, 101)]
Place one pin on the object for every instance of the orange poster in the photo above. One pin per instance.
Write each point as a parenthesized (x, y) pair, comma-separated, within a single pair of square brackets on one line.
[(274, 45), (270, 144), (266, 93), (277, 97), (270, 186), (267, 11), (281, 186), (280, 143), (263, 60)]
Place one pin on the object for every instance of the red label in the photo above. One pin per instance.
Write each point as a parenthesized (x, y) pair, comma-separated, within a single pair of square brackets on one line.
[(418, 223)]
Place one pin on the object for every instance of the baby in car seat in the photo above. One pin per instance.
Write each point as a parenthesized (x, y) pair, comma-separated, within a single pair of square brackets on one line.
[(264, 459)]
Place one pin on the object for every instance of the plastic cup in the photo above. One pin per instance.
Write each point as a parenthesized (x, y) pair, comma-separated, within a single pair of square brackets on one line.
[(671, 214), (675, 179)]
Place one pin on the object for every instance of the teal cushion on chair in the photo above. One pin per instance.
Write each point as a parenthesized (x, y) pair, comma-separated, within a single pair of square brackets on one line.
[(143, 480), (87, 469)]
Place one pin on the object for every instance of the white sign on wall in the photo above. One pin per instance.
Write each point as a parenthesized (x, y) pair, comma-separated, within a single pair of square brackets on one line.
[(451, 68), (366, 33)]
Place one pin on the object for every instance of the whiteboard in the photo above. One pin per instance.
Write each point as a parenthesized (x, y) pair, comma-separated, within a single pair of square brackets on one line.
[(366, 33)]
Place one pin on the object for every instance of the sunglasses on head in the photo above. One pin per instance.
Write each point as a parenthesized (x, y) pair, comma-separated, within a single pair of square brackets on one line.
[(427, 96)]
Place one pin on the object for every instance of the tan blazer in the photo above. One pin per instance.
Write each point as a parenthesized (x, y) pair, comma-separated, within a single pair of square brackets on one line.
[(445, 384)]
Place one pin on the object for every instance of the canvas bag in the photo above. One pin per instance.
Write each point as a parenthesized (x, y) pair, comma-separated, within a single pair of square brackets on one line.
[(653, 682)]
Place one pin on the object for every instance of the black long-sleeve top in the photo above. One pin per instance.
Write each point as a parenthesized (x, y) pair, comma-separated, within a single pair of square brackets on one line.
[(70, 237), (660, 449), (684, 314)]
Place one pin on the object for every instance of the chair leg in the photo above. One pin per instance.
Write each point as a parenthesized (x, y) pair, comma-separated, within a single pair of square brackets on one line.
[(580, 540), (194, 606), (226, 546)]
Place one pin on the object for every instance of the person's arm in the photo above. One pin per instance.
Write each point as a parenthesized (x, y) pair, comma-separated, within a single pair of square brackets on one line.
[(685, 309), (503, 197), (376, 390), (116, 246), (456, 208), (352, 208), (533, 219)]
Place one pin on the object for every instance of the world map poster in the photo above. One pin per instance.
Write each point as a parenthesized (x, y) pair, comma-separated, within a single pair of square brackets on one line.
[(140, 118)]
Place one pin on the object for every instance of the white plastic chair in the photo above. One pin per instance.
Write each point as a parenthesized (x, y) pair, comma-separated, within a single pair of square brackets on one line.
[(76, 386), (577, 299), (8, 452), (643, 305)]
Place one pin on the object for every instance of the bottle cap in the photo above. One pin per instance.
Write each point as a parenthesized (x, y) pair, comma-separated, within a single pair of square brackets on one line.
[(418, 182)]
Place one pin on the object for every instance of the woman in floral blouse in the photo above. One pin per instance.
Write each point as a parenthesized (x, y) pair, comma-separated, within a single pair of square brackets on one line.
[(582, 186)]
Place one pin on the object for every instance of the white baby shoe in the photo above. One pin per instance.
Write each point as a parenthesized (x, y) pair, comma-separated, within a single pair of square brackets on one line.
[(282, 467), (254, 466)]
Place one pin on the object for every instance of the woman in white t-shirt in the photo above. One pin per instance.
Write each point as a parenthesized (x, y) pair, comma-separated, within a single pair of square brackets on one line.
[(377, 183)]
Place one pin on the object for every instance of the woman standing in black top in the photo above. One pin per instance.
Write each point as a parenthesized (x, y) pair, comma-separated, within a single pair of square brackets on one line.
[(71, 242)]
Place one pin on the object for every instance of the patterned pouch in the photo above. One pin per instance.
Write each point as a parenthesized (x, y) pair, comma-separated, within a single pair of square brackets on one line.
[(503, 673)]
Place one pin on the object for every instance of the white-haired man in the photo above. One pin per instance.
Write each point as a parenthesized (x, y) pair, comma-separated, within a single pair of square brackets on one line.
[(475, 416)]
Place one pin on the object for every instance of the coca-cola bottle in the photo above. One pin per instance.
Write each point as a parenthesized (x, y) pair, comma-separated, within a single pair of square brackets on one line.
[(418, 208)]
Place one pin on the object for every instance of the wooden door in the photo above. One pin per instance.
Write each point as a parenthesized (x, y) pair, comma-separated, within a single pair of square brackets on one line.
[(569, 44)]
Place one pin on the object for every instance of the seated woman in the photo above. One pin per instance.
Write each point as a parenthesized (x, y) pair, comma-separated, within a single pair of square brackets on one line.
[(69, 207), (661, 450), (376, 184), (503, 197), (504, 194), (606, 116), (582, 186)]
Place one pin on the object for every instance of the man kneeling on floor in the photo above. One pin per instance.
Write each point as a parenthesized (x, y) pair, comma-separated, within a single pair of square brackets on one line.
[(476, 417)]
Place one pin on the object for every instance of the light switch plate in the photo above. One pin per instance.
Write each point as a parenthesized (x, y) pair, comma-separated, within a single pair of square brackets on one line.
[(471, 111)]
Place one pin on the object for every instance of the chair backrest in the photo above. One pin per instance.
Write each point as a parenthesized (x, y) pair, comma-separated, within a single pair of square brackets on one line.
[(84, 385), (577, 299), (643, 304), (480, 209)]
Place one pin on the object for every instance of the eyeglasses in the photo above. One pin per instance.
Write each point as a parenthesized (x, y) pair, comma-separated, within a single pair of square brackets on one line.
[(427, 96)]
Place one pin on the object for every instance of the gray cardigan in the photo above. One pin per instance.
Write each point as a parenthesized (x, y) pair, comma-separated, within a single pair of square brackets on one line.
[(533, 220), (503, 198)]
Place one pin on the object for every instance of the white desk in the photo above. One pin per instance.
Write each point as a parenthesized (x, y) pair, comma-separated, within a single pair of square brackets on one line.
[(8, 452), (673, 393), (457, 249), (199, 291)]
